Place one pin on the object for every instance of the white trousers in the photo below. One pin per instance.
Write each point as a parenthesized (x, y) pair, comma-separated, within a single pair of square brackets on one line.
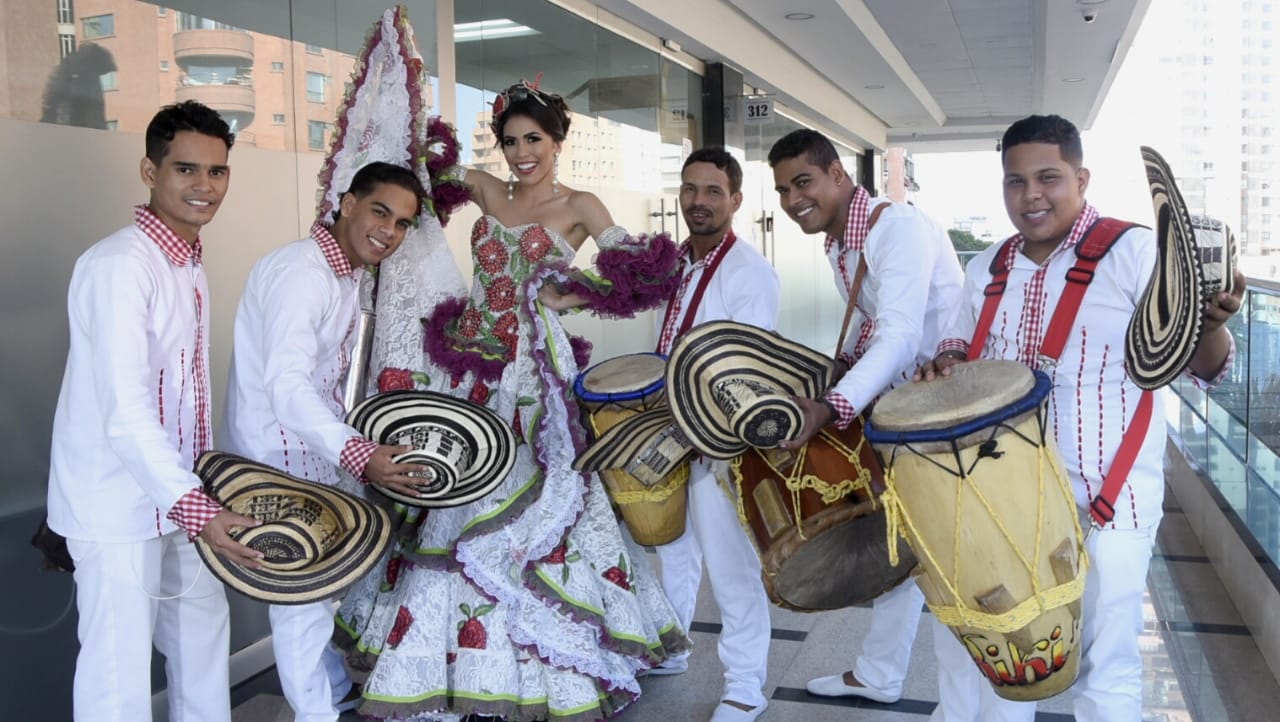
[(886, 650), (713, 534), (120, 619), (1109, 687), (311, 672)]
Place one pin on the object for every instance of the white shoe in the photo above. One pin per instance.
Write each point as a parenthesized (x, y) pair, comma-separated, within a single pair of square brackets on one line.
[(834, 686), (729, 713), (669, 666)]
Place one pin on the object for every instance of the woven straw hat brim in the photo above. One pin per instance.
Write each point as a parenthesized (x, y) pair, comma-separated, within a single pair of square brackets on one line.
[(625, 441), (719, 350), (1167, 322), (243, 486), (382, 416)]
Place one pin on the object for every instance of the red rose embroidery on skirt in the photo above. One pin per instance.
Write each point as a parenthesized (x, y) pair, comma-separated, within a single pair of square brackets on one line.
[(469, 324), (479, 393), (395, 380), (505, 329), (619, 575), (404, 620), (471, 632)]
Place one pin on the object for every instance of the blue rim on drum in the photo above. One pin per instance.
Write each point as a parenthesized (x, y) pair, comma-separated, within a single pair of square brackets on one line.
[(624, 379), (887, 435)]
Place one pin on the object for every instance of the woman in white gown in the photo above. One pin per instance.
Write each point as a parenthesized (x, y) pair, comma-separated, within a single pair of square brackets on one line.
[(527, 604)]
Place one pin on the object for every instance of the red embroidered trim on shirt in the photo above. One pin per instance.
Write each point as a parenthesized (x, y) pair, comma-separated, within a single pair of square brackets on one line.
[(175, 248), (355, 456), (672, 320), (333, 253)]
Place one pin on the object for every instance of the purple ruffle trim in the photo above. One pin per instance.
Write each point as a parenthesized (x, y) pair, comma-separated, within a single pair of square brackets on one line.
[(581, 351), (641, 273), (441, 350)]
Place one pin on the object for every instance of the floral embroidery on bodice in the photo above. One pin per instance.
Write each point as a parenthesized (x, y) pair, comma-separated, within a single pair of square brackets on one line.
[(504, 259)]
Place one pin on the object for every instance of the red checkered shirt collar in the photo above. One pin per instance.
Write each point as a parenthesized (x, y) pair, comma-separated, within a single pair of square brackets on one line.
[(1087, 218), (175, 248), (856, 227), (333, 253), (686, 252)]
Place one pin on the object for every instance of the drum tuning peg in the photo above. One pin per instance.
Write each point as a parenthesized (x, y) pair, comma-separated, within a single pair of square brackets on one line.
[(988, 449)]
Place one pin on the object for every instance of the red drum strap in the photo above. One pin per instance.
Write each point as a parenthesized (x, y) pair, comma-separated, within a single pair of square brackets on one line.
[(1095, 244)]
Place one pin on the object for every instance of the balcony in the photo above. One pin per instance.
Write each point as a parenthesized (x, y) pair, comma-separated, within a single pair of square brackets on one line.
[(213, 47), (232, 99)]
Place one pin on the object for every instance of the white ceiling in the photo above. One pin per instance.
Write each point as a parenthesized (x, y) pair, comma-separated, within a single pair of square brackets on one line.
[(952, 74)]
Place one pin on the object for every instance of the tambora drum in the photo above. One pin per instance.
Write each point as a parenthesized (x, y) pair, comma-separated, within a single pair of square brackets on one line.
[(613, 391), (976, 486), (815, 519)]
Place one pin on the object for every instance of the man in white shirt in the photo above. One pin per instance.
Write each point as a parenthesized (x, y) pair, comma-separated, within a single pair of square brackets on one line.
[(910, 286), (132, 417), (1044, 187), (722, 280), (293, 343)]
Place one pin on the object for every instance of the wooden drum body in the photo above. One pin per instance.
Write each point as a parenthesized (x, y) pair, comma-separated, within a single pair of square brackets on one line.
[(815, 519), (976, 485), (611, 392)]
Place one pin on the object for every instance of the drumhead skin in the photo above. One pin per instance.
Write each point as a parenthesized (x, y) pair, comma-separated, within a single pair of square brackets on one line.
[(625, 378), (975, 396)]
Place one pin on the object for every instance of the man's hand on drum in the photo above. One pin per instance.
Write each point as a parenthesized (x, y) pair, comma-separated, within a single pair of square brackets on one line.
[(939, 366), (817, 414), (384, 471)]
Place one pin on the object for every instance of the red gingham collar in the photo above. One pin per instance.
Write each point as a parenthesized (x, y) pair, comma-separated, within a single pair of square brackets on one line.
[(686, 252), (175, 248), (856, 227), (333, 253), (1087, 218)]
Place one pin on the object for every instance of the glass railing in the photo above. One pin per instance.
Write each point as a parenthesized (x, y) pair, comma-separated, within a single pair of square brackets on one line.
[(1232, 432)]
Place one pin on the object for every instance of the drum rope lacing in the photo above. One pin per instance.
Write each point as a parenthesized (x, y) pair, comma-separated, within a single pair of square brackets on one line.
[(797, 481), (899, 523)]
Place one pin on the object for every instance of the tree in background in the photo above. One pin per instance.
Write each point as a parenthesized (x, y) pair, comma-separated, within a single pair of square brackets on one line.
[(965, 241)]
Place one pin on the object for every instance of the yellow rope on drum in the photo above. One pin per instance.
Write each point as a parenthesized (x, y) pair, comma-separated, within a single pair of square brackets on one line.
[(900, 523), (655, 493)]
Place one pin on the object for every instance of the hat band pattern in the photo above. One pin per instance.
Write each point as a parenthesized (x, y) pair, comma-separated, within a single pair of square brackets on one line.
[(757, 413), (664, 452)]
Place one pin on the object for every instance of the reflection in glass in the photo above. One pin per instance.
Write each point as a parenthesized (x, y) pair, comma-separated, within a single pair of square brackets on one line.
[(74, 92)]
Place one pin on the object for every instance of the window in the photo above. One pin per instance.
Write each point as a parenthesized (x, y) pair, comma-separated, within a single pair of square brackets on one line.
[(113, 125), (66, 13), (162, 11), (315, 134), (315, 87), (164, 65), (99, 26), (278, 118), (187, 21), (277, 66), (314, 49), (109, 81), (66, 45)]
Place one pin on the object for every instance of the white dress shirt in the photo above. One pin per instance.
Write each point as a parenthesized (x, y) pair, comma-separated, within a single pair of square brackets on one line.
[(127, 429), (743, 289), (905, 306), (293, 342)]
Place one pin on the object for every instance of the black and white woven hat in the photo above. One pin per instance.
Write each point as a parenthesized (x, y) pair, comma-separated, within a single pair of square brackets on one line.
[(1196, 259), (729, 386), (467, 449), (649, 446), (317, 540)]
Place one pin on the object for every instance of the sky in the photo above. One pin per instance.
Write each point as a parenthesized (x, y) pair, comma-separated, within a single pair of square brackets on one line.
[(961, 185)]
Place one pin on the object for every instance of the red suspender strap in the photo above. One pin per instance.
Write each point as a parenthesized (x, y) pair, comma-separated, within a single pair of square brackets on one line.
[(1097, 240), (1103, 506), (999, 275), (686, 321)]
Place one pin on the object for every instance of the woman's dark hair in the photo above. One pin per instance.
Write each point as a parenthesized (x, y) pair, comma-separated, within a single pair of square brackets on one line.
[(548, 110), (187, 115), (1052, 129)]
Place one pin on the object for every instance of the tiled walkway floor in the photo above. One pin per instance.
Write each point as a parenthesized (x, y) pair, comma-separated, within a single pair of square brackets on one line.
[(1201, 663)]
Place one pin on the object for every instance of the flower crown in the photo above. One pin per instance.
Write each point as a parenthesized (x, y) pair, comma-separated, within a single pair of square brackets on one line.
[(519, 91)]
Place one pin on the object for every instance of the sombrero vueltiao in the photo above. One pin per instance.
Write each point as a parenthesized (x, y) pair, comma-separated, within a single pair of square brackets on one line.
[(467, 449), (729, 387), (317, 540), (1196, 259), (648, 446)]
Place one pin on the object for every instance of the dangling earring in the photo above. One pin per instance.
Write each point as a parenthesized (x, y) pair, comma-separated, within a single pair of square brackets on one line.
[(555, 175), (511, 186)]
